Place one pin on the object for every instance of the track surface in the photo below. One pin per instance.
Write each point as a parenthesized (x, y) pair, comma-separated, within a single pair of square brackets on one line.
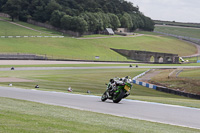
[(108, 67), (162, 113)]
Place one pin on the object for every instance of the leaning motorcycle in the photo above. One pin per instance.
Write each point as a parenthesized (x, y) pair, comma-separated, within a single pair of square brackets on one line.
[(120, 90)]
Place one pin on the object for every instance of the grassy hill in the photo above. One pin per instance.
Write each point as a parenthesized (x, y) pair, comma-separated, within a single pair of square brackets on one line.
[(9, 29), (73, 48), (181, 31)]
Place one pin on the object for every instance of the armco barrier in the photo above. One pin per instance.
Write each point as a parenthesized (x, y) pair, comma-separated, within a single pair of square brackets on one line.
[(163, 89), (145, 84), (135, 81), (136, 77), (176, 92)]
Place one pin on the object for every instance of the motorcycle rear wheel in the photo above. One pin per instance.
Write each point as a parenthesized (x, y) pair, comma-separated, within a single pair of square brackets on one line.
[(118, 97)]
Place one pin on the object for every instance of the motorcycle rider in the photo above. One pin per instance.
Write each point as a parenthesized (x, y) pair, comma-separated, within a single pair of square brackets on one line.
[(112, 86), (117, 89)]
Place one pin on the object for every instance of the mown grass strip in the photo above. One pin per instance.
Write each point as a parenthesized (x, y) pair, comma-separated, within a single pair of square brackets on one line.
[(22, 116)]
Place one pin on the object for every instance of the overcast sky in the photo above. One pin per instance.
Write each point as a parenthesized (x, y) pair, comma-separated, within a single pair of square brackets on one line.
[(171, 10)]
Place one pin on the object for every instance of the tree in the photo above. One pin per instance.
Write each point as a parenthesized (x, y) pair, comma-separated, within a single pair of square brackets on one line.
[(149, 24), (56, 18), (91, 20), (134, 21), (24, 13), (51, 6), (13, 8), (106, 20), (100, 18), (79, 24), (2, 2), (66, 22), (126, 21), (93, 15), (114, 21), (37, 10)]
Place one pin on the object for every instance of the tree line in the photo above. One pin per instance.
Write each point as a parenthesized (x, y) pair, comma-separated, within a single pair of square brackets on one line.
[(79, 15)]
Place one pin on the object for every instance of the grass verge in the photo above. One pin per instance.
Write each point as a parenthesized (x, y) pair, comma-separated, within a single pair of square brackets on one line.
[(188, 81), (22, 116)]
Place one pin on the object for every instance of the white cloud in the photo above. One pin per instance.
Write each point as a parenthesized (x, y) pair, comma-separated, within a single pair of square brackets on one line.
[(178, 10)]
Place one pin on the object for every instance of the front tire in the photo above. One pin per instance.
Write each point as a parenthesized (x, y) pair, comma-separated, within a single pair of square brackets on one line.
[(104, 97), (118, 97)]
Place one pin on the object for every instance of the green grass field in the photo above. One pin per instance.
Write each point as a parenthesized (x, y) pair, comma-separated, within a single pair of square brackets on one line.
[(79, 80), (191, 73), (8, 29), (181, 31), (72, 48), (93, 80), (17, 116), (42, 29)]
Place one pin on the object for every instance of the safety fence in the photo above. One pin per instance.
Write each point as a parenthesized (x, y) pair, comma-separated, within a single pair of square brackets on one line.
[(163, 89)]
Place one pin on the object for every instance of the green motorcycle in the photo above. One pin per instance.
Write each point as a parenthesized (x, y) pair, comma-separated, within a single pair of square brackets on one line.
[(117, 89)]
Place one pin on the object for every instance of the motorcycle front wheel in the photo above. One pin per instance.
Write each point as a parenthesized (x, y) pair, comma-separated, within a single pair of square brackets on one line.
[(104, 97)]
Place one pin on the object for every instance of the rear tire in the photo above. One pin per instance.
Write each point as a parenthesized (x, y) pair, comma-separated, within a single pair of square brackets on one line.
[(118, 97), (104, 97)]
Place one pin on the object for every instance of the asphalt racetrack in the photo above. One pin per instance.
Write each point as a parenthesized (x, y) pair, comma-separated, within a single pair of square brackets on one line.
[(155, 112), (105, 67)]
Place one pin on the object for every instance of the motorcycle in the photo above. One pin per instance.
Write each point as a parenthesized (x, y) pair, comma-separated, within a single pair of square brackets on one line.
[(117, 89)]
